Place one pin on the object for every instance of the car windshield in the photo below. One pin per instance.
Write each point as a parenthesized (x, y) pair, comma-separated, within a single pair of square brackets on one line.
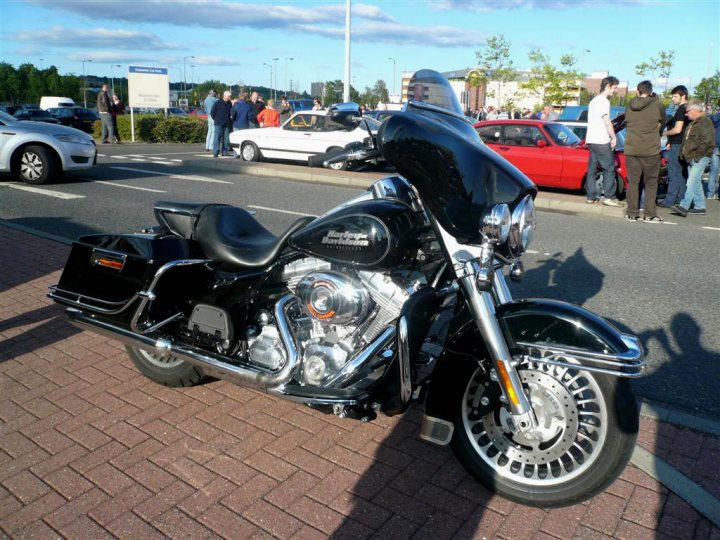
[(6, 118), (561, 135), (373, 124)]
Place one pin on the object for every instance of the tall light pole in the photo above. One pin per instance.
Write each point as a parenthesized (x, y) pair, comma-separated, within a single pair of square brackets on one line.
[(192, 78), (285, 85), (346, 88), (41, 64), (275, 70), (179, 75), (184, 77), (112, 77), (393, 61), (271, 74), (84, 83), (582, 60)]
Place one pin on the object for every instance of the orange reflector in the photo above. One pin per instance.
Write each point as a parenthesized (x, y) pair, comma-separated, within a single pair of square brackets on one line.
[(110, 263), (506, 383)]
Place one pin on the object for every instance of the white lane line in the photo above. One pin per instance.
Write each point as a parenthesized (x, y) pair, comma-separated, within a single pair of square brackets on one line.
[(48, 192), (156, 158), (166, 163), (177, 160), (280, 211), (712, 228), (171, 175), (102, 155), (118, 157), (113, 184), (140, 160), (531, 251)]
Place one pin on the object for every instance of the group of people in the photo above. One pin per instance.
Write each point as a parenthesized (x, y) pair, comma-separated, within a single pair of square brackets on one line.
[(245, 112), (492, 113), (693, 139), (108, 110)]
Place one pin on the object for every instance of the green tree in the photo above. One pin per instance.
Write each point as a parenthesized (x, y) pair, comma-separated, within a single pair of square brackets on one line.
[(659, 67), (708, 89), (381, 92), (551, 84), (9, 83), (333, 92), (494, 64)]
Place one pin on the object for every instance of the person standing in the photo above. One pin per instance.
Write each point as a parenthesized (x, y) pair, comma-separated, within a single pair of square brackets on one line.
[(317, 104), (601, 141), (269, 117), (644, 120), (220, 114), (241, 113), (285, 110), (677, 170), (257, 105), (549, 114), (210, 100), (712, 192), (698, 145), (118, 108), (104, 109)]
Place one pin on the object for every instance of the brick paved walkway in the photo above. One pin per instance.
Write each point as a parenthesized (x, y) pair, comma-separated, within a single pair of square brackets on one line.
[(91, 449)]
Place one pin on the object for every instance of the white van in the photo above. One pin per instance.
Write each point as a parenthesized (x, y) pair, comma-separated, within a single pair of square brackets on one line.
[(47, 102)]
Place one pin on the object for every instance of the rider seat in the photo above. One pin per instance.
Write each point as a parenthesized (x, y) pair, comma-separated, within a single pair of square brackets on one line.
[(232, 235)]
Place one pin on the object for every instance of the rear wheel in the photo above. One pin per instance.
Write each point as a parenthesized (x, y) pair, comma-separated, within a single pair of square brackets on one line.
[(249, 152), (340, 166), (587, 425), (37, 165), (166, 370)]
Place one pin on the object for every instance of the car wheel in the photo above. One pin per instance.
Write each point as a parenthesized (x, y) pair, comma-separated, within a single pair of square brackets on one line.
[(620, 192), (37, 165), (340, 166), (250, 152)]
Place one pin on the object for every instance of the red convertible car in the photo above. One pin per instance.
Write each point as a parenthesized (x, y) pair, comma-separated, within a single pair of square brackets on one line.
[(547, 152)]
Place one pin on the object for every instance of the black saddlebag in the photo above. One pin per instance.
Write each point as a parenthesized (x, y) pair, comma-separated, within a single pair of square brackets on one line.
[(105, 272)]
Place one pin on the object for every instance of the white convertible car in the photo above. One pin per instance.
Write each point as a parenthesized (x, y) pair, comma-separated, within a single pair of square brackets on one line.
[(304, 134)]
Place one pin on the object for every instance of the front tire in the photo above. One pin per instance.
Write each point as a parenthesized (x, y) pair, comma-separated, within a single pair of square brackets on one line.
[(37, 165), (587, 425), (340, 166), (168, 370), (250, 152)]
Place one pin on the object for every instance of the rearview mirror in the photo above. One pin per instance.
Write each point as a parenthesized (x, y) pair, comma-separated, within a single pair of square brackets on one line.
[(347, 114)]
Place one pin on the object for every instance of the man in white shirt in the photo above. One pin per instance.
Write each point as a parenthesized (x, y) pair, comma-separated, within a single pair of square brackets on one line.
[(600, 140)]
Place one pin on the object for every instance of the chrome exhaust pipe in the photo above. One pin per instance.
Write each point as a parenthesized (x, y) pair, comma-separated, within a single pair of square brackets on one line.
[(212, 364)]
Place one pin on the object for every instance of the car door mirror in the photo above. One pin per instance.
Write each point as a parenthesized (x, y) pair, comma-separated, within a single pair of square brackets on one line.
[(541, 143), (347, 114)]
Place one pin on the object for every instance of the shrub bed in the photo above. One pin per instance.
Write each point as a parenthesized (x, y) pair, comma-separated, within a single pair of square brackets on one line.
[(158, 129)]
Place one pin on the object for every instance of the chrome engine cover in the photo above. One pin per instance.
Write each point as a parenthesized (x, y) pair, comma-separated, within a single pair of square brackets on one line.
[(334, 298)]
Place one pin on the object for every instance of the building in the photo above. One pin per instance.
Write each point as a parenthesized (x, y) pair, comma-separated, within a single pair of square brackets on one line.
[(317, 89), (592, 84)]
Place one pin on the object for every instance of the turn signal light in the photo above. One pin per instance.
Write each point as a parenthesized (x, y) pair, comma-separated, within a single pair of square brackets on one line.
[(512, 396), (109, 263)]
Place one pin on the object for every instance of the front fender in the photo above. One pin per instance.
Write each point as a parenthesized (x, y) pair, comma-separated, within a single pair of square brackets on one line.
[(549, 331)]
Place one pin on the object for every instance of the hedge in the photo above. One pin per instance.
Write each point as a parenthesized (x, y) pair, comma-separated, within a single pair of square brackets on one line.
[(158, 129)]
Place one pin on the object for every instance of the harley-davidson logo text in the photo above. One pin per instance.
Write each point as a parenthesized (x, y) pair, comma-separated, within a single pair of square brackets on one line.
[(335, 238)]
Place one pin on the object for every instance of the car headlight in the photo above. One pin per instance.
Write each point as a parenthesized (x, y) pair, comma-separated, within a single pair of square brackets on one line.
[(496, 224), (523, 226), (75, 139)]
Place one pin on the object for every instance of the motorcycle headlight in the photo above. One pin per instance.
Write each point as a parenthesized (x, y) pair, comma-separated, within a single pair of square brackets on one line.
[(523, 226), (76, 139), (496, 224)]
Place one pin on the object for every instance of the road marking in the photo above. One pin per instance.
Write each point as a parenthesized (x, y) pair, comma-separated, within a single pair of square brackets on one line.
[(113, 184), (210, 155), (177, 160), (280, 211), (712, 228), (140, 160), (171, 175), (102, 155), (157, 158), (118, 157), (48, 192)]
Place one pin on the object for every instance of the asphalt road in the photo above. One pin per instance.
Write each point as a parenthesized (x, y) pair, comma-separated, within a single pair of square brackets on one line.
[(658, 281)]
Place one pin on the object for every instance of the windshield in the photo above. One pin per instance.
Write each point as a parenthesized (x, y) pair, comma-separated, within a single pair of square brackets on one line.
[(428, 86), (561, 135), (373, 124), (6, 118)]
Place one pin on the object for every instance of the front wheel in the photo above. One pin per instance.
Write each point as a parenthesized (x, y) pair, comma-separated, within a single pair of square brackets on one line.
[(165, 370), (250, 152), (37, 165), (587, 426)]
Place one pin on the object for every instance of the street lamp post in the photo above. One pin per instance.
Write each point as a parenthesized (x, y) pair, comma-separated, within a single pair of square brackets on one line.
[(285, 85), (275, 71), (393, 61), (582, 60), (271, 75), (41, 64), (112, 77), (84, 83), (192, 78), (179, 75), (184, 77)]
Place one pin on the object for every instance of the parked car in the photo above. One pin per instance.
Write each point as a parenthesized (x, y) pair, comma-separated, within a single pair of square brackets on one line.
[(38, 152), (9, 109), (301, 104), (380, 116), (198, 112), (549, 153), (35, 115), (303, 135), (176, 111), (77, 117), (579, 113), (51, 102)]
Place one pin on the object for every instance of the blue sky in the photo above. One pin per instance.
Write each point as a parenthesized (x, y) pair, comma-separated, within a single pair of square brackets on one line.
[(231, 40)]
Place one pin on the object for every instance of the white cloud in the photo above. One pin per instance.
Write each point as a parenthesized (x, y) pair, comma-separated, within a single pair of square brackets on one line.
[(95, 38), (495, 5)]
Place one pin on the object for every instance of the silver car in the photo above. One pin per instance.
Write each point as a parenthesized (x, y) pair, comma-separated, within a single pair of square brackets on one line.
[(38, 152)]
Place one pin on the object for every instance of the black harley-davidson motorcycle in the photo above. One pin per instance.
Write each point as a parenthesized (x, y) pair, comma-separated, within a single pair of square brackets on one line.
[(395, 297)]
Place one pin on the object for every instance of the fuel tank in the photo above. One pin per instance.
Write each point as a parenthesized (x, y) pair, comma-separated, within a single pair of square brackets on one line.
[(373, 235)]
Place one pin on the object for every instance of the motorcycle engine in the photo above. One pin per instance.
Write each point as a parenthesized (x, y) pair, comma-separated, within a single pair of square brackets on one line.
[(341, 314)]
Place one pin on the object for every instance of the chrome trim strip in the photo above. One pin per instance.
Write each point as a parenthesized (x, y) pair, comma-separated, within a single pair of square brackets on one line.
[(82, 300), (404, 360)]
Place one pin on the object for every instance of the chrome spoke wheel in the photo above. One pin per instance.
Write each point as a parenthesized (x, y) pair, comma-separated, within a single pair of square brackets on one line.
[(572, 426), (31, 166), (157, 360)]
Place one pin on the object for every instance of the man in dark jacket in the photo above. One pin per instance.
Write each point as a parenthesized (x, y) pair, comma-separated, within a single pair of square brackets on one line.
[(257, 105), (104, 109), (242, 113), (644, 118), (698, 146), (220, 114)]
